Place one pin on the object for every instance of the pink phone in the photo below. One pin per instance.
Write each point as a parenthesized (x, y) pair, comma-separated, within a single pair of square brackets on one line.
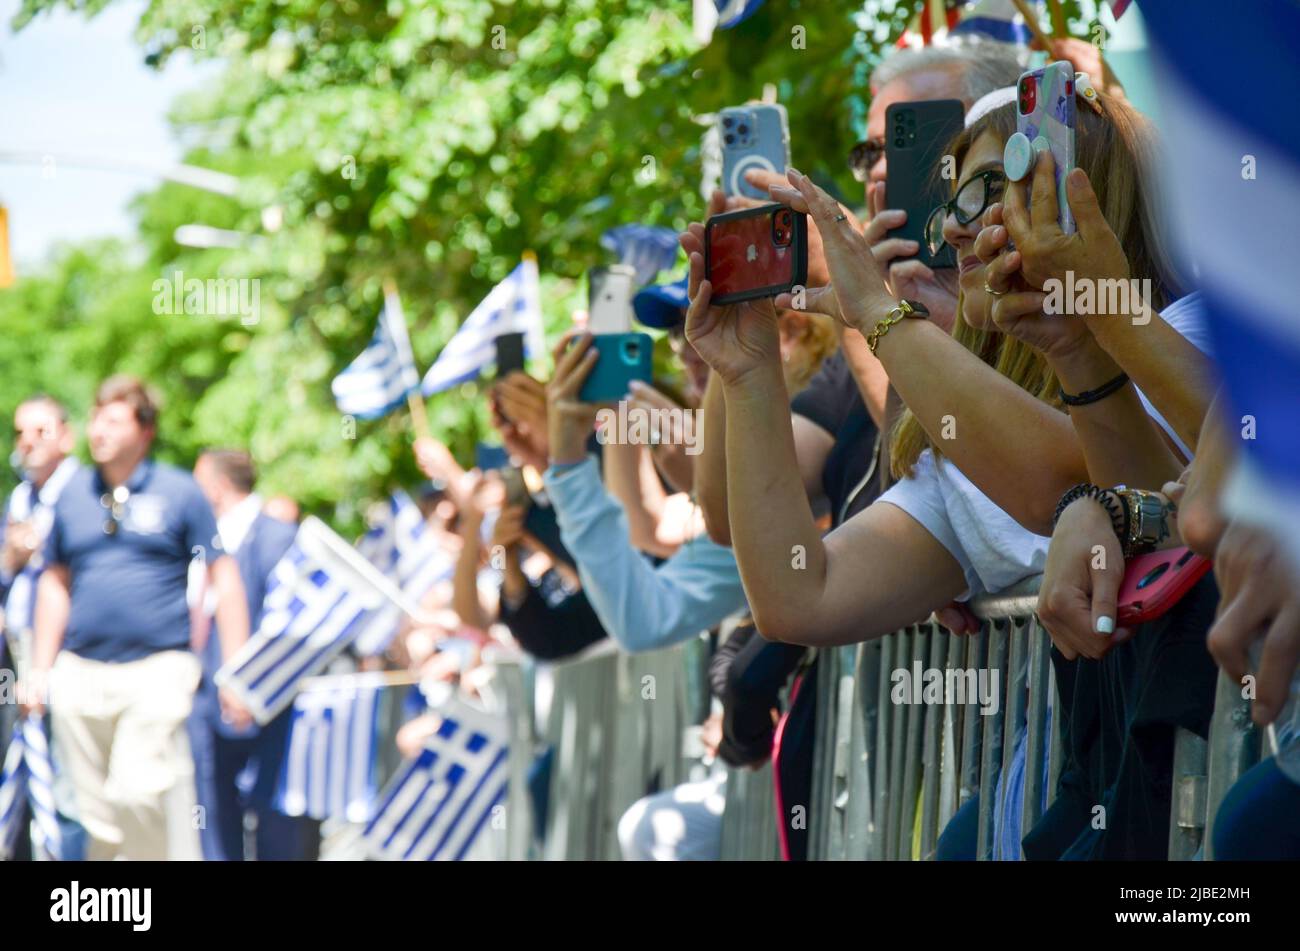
[(1155, 582)]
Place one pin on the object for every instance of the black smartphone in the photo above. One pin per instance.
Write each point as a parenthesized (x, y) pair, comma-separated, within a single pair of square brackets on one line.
[(917, 135), (510, 353), (755, 252)]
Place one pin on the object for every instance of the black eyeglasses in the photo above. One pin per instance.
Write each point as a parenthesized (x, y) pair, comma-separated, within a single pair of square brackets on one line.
[(115, 502), (971, 201), (864, 156)]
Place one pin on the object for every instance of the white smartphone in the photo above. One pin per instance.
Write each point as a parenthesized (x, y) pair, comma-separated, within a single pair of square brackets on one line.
[(609, 299)]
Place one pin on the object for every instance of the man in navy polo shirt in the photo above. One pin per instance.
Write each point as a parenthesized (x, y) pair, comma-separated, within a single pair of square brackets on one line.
[(112, 633)]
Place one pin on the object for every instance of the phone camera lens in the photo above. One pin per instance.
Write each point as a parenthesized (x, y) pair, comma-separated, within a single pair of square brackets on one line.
[(728, 121), (742, 129), (729, 139), (899, 143)]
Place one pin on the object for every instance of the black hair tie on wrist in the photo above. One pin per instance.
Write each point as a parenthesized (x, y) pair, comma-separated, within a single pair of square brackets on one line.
[(1092, 396)]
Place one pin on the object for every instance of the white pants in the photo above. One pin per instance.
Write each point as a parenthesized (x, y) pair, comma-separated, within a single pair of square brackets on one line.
[(120, 733), (683, 824)]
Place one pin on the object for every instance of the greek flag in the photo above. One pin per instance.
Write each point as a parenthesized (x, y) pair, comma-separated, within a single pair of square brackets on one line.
[(993, 20), (380, 379), (647, 248), (1233, 158), (28, 776), (329, 769), (440, 801), (320, 595), (513, 306), (401, 546)]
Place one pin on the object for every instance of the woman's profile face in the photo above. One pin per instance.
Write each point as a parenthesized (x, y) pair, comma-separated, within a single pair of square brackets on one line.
[(985, 154)]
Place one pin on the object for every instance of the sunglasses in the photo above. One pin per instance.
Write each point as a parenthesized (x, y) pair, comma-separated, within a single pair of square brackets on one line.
[(115, 502), (971, 201), (864, 156)]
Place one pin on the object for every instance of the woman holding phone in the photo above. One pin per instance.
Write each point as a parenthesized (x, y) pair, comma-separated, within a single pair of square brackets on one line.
[(985, 450)]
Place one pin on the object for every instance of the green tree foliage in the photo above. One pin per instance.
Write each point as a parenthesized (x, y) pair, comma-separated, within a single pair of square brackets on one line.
[(431, 143)]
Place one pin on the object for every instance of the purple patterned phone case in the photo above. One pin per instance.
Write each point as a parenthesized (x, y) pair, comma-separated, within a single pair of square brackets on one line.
[(1045, 108)]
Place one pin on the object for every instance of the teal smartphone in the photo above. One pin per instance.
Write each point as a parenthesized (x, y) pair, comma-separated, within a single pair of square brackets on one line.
[(623, 358)]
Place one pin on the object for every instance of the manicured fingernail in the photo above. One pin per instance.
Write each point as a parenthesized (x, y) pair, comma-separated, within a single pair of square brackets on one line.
[(796, 172), (1105, 625)]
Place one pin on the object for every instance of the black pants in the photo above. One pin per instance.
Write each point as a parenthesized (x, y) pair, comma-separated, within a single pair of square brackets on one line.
[(1118, 720)]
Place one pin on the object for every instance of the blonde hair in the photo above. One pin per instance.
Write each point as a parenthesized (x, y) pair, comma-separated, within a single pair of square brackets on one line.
[(1114, 148), (812, 342)]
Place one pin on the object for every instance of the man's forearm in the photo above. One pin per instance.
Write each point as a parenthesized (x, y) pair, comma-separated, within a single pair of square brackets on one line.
[(53, 606)]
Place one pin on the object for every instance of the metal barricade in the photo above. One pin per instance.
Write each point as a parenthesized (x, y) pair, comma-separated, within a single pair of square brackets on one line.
[(615, 730), (889, 773)]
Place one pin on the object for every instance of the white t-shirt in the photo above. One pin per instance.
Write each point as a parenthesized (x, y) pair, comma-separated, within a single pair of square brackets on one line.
[(994, 550)]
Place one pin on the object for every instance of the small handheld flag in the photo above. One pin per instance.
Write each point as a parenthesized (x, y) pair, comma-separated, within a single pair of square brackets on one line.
[(513, 306), (439, 802), (384, 375)]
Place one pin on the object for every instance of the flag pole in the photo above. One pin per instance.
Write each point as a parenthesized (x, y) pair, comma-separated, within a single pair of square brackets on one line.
[(414, 401), (1057, 14), (1031, 21)]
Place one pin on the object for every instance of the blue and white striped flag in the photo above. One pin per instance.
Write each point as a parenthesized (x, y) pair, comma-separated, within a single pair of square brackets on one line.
[(710, 15), (1233, 159), (329, 769), (28, 776), (993, 20), (400, 544), (439, 802), (647, 248), (320, 595), (513, 306), (380, 379)]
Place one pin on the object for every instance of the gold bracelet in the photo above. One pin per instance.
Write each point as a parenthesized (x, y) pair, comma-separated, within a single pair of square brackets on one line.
[(903, 309)]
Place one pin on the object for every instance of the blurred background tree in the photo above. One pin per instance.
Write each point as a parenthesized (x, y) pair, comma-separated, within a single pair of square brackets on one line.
[(429, 142)]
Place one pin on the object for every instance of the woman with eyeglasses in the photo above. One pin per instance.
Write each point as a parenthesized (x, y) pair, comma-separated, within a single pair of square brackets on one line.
[(984, 450)]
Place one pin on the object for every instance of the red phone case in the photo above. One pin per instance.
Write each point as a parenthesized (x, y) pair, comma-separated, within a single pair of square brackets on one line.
[(1155, 582), (755, 252)]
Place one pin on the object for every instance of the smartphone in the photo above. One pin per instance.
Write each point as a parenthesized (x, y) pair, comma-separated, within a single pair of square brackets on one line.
[(753, 136), (1045, 115), (510, 353), (917, 135), (609, 299), (516, 489), (755, 252), (1155, 582), (622, 359)]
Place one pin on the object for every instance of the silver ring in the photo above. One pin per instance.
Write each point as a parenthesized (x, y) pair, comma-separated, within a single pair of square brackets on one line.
[(841, 217), (990, 290)]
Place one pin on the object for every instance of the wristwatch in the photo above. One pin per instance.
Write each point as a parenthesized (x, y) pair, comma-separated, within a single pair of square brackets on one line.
[(905, 308), (1147, 524)]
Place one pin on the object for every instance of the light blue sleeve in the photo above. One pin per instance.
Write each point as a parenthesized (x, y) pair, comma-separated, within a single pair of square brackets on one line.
[(641, 607)]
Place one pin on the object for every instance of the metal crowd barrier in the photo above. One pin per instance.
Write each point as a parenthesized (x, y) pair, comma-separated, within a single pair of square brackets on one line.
[(615, 732), (888, 776)]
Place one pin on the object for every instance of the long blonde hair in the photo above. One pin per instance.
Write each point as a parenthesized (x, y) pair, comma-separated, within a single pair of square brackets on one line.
[(1114, 148)]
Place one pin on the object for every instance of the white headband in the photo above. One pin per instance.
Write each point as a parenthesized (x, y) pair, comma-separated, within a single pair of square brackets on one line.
[(988, 102)]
